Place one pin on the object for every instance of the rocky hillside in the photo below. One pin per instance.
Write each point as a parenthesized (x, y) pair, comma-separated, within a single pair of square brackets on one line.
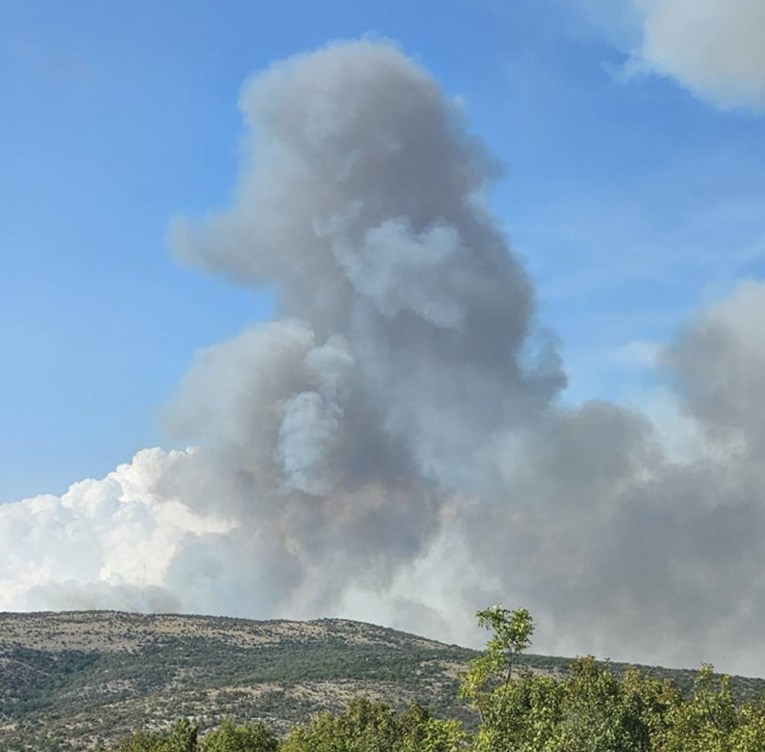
[(79, 680)]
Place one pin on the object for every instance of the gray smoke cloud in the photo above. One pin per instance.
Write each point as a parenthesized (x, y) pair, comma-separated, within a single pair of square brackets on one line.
[(629, 550), (392, 446), (399, 354)]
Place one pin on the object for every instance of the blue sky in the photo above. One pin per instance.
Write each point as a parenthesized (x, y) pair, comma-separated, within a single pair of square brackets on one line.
[(633, 200)]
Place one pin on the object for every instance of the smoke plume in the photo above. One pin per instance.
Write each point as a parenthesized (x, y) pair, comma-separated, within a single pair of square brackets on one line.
[(391, 446)]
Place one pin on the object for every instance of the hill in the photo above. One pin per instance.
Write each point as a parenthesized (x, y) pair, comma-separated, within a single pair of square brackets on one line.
[(88, 677), (74, 680)]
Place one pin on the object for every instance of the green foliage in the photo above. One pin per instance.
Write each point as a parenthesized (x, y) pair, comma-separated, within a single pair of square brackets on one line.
[(594, 709), (375, 727), (524, 713), (708, 720), (602, 713), (525, 703), (147, 671), (512, 629), (749, 736), (511, 634), (252, 737), (142, 741), (181, 738), (184, 737)]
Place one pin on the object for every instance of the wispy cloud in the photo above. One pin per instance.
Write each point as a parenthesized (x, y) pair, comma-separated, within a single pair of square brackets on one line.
[(712, 47)]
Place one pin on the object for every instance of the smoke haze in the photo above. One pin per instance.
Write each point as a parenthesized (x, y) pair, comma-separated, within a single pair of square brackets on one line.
[(392, 446)]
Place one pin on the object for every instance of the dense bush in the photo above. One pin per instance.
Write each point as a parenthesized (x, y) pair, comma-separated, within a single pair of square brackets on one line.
[(374, 727)]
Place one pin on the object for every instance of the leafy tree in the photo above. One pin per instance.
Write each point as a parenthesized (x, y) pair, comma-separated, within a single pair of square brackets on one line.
[(749, 736), (375, 727), (364, 727), (253, 737), (603, 714), (707, 721), (648, 705), (182, 737), (592, 710), (141, 741), (422, 733), (512, 632), (522, 715)]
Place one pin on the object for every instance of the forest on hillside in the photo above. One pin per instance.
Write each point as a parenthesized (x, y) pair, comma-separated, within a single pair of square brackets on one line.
[(592, 708)]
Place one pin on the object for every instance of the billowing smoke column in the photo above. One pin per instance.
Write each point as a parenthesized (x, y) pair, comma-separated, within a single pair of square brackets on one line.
[(391, 446), (398, 358)]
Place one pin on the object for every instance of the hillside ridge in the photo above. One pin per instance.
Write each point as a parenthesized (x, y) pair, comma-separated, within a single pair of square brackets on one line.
[(76, 679)]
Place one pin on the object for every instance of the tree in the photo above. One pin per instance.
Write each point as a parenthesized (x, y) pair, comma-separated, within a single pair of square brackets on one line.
[(592, 710), (142, 741), (523, 715), (750, 734), (182, 737), (605, 713), (512, 632), (420, 732), (228, 737), (367, 726), (708, 720)]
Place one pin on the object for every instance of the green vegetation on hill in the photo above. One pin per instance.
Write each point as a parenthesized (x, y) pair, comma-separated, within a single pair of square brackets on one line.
[(71, 680), (87, 679)]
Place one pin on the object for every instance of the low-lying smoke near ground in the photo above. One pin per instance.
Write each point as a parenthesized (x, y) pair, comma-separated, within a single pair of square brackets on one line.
[(393, 446)]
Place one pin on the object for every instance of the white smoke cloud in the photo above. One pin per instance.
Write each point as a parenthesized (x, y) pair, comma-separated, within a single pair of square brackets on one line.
[(391, 446), (711, 47)]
